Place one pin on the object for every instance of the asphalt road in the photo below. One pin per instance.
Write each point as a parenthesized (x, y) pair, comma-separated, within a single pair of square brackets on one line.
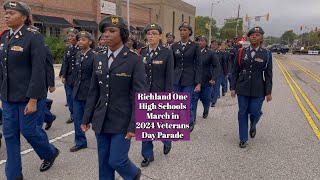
[(286, 145)]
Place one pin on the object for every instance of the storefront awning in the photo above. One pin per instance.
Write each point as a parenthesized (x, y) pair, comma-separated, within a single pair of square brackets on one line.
[(52, 21), (86, 25)]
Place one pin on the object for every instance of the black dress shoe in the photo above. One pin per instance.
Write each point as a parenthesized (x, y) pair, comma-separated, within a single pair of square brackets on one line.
[(166, 149), (70, 120), (146, 162), (66, 105), (191, 127), (213, 105), (253, 133), (48, 125), (223, 94), (18, 177), (77, 148), (138, 175), (205, 114), (48, 163), (242, 144)]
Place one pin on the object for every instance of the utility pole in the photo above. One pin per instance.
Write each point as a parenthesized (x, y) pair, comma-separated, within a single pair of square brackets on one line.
[(128, 14), (119, 7), (211, 19), (238, 20)]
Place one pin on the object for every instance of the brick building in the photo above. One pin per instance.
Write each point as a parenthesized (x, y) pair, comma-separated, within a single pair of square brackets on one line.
[(52, 17)]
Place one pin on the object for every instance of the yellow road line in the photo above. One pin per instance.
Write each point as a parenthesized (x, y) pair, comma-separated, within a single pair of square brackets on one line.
[(302, 107), (311, 74)]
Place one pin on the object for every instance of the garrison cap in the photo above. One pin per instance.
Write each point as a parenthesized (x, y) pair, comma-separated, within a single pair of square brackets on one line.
[(73, 30), (113, 21), (85, 34), (18, 6), (170, 34), (186, 25), (152, 26), (255, 30)]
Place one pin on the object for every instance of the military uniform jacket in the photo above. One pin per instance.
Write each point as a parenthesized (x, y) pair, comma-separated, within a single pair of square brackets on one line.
[(253, 77), (159, 69), (232, 53), (210, 67), (23, 66), (223, 60), (50, 69), (68, 71), (84, 68), (187, 64), (110, 104), (99, 49)]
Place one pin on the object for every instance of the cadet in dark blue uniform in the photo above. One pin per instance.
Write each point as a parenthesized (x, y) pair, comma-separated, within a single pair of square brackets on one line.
[(222, 73), (236, 44), (232, 53), (158, 62), (117, 75), (187, 65), (84, 68), (170, 39), (102, 44), (252, 82), (23, 89), (69, 72), (210, 68), (226, 57)]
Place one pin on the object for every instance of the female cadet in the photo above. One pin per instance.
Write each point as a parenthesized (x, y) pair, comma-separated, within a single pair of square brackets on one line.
[(117, 75), (187, 61), (23, 89), (68, 72), (102, 44), (84, 63), (158, 62), (210, 67), (252, 82)]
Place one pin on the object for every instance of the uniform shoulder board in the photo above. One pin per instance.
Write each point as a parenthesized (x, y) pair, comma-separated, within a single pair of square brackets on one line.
[(94, 52), (33, 30), (134, 52)]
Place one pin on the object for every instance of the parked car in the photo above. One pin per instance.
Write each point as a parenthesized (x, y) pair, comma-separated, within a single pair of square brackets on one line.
[(277, 48)]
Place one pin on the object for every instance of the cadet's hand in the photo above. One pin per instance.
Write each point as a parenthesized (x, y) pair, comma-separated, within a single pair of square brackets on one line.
[(197, 88), (31, 107), (52, 89), (233, 93), (212, 82), (269, 97), (85, 127), (130, 135), (63, 80)]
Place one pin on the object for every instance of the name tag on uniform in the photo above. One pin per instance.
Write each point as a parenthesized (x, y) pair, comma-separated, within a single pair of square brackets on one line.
[(258, 60), (157, 62), (123, 75), (17, 48)]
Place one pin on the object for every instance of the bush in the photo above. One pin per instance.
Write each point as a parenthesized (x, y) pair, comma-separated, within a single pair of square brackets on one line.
[(56, 46)]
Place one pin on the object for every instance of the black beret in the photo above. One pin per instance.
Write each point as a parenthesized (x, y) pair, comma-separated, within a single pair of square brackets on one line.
[(113, 21), (170, 34), (85, 34), (201, 37), (255, 30), (18, 6), (152, 26), (73, 30), (186, 25)]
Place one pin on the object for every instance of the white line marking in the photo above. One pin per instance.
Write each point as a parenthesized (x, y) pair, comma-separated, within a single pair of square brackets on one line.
[(51, 141)]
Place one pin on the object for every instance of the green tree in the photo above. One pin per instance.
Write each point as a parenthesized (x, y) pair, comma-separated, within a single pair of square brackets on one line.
[(288, 37), (56, 46), (229, 28), (201, 27), (271, 40)]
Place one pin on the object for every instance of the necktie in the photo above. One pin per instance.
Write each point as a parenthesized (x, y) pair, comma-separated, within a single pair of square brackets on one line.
[(110, 60), (151, 53), (11, 35)]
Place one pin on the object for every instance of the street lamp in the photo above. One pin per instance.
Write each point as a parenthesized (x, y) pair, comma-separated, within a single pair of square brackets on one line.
[(212, 19)]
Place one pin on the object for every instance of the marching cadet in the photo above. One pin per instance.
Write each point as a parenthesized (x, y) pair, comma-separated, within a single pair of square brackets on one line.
[(236, 45), (130, 44), (226, 57), (158, 62), (232, 53), (117, 75), (69, 73), (102, 44), (187, 61), (84, 63), (252, 82), (222, 73), (170, 39), (66, 44), (210, 68), (23, 89)]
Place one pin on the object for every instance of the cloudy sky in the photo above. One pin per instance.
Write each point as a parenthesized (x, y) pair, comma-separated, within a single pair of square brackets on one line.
[(284, 14)]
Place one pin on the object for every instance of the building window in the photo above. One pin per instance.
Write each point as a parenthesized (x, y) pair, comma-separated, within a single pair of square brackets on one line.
[(189, 19), (173, 18), (55, 32), (182, 17), (42, 29)]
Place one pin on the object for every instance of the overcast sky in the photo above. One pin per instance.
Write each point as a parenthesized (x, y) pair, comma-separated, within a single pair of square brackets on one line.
[(284, 14)]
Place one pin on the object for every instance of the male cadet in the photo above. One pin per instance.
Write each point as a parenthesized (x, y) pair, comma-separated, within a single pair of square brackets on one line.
[(221, 75), (69, 71), (187, 65), (170, 39), (232, 53), (236, 45), (252, 82)]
